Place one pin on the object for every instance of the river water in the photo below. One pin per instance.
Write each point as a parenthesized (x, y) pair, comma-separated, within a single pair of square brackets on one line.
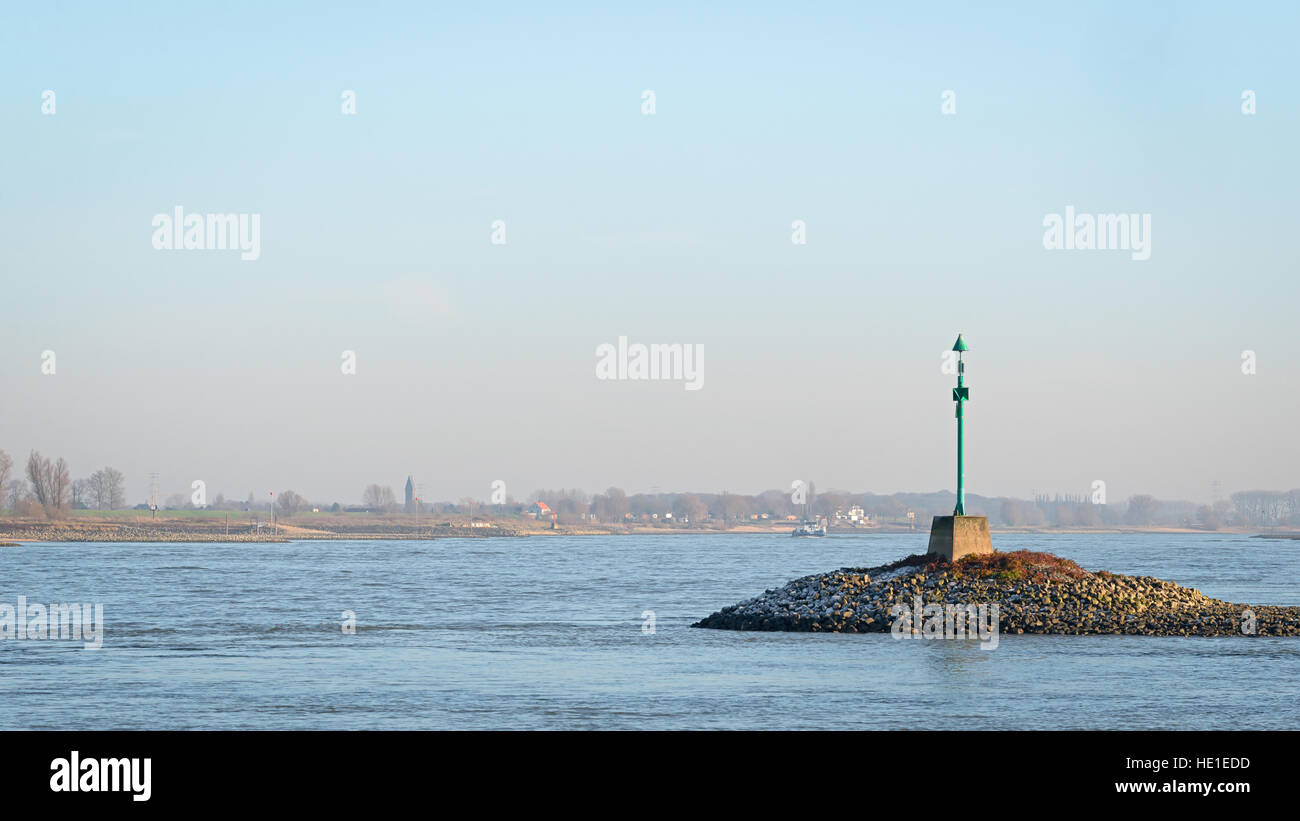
[(548, 632)]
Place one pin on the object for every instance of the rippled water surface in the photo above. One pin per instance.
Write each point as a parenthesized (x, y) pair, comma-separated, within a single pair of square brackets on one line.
[(547, 633)]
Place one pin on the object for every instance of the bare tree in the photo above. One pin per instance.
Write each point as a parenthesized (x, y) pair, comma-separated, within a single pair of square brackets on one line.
[(50, 483), (827, 503), (379, 498), (25, 503), (83, 494), (289, 504), (734, 508), (1207, 518), (18, 492), (1263, 507), (618, 504), (108, 487), (97, 494), (116, 489), (689, 508), (1089, 515), (1011, 513), (1063, 515), (1141, 510), (61, 485), (6, 468), (38, 475), (612, 505)]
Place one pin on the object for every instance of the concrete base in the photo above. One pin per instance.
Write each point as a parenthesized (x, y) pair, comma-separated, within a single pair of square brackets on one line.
[(952, 537)]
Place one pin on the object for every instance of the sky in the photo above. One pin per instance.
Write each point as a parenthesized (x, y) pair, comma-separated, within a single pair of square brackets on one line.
[(476, 361)]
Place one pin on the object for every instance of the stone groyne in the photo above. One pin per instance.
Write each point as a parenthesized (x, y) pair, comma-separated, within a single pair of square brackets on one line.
[(1034, 593)]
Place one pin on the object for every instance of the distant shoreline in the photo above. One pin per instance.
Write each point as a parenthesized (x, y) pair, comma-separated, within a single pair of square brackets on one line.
[(250, 530)]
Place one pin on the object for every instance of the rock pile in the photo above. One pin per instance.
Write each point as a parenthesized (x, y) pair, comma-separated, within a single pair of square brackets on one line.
[(1035, 593)]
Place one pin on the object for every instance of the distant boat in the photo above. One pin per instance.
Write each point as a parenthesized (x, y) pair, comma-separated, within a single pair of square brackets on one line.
[(810, 528)]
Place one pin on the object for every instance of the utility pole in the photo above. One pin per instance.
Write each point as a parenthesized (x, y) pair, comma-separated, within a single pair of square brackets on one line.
[(960, 394)]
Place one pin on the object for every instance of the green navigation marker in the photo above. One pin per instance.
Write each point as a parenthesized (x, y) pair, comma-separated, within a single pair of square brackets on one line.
[(952, 537), (960, 395)]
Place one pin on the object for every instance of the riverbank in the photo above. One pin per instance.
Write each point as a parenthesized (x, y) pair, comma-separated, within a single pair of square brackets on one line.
[(182, 530), (1034, 592), (215, 526)]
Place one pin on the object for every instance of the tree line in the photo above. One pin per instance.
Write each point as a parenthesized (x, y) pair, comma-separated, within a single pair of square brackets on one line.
[(1255, 508), (46, 488)]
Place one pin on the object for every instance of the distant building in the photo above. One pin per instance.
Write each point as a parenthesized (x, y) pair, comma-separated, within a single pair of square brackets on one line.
[(539, 510), (855, 516), (410, 496)]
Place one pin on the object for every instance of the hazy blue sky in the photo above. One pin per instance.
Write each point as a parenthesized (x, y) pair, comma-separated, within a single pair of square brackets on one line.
[(476, 361)]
